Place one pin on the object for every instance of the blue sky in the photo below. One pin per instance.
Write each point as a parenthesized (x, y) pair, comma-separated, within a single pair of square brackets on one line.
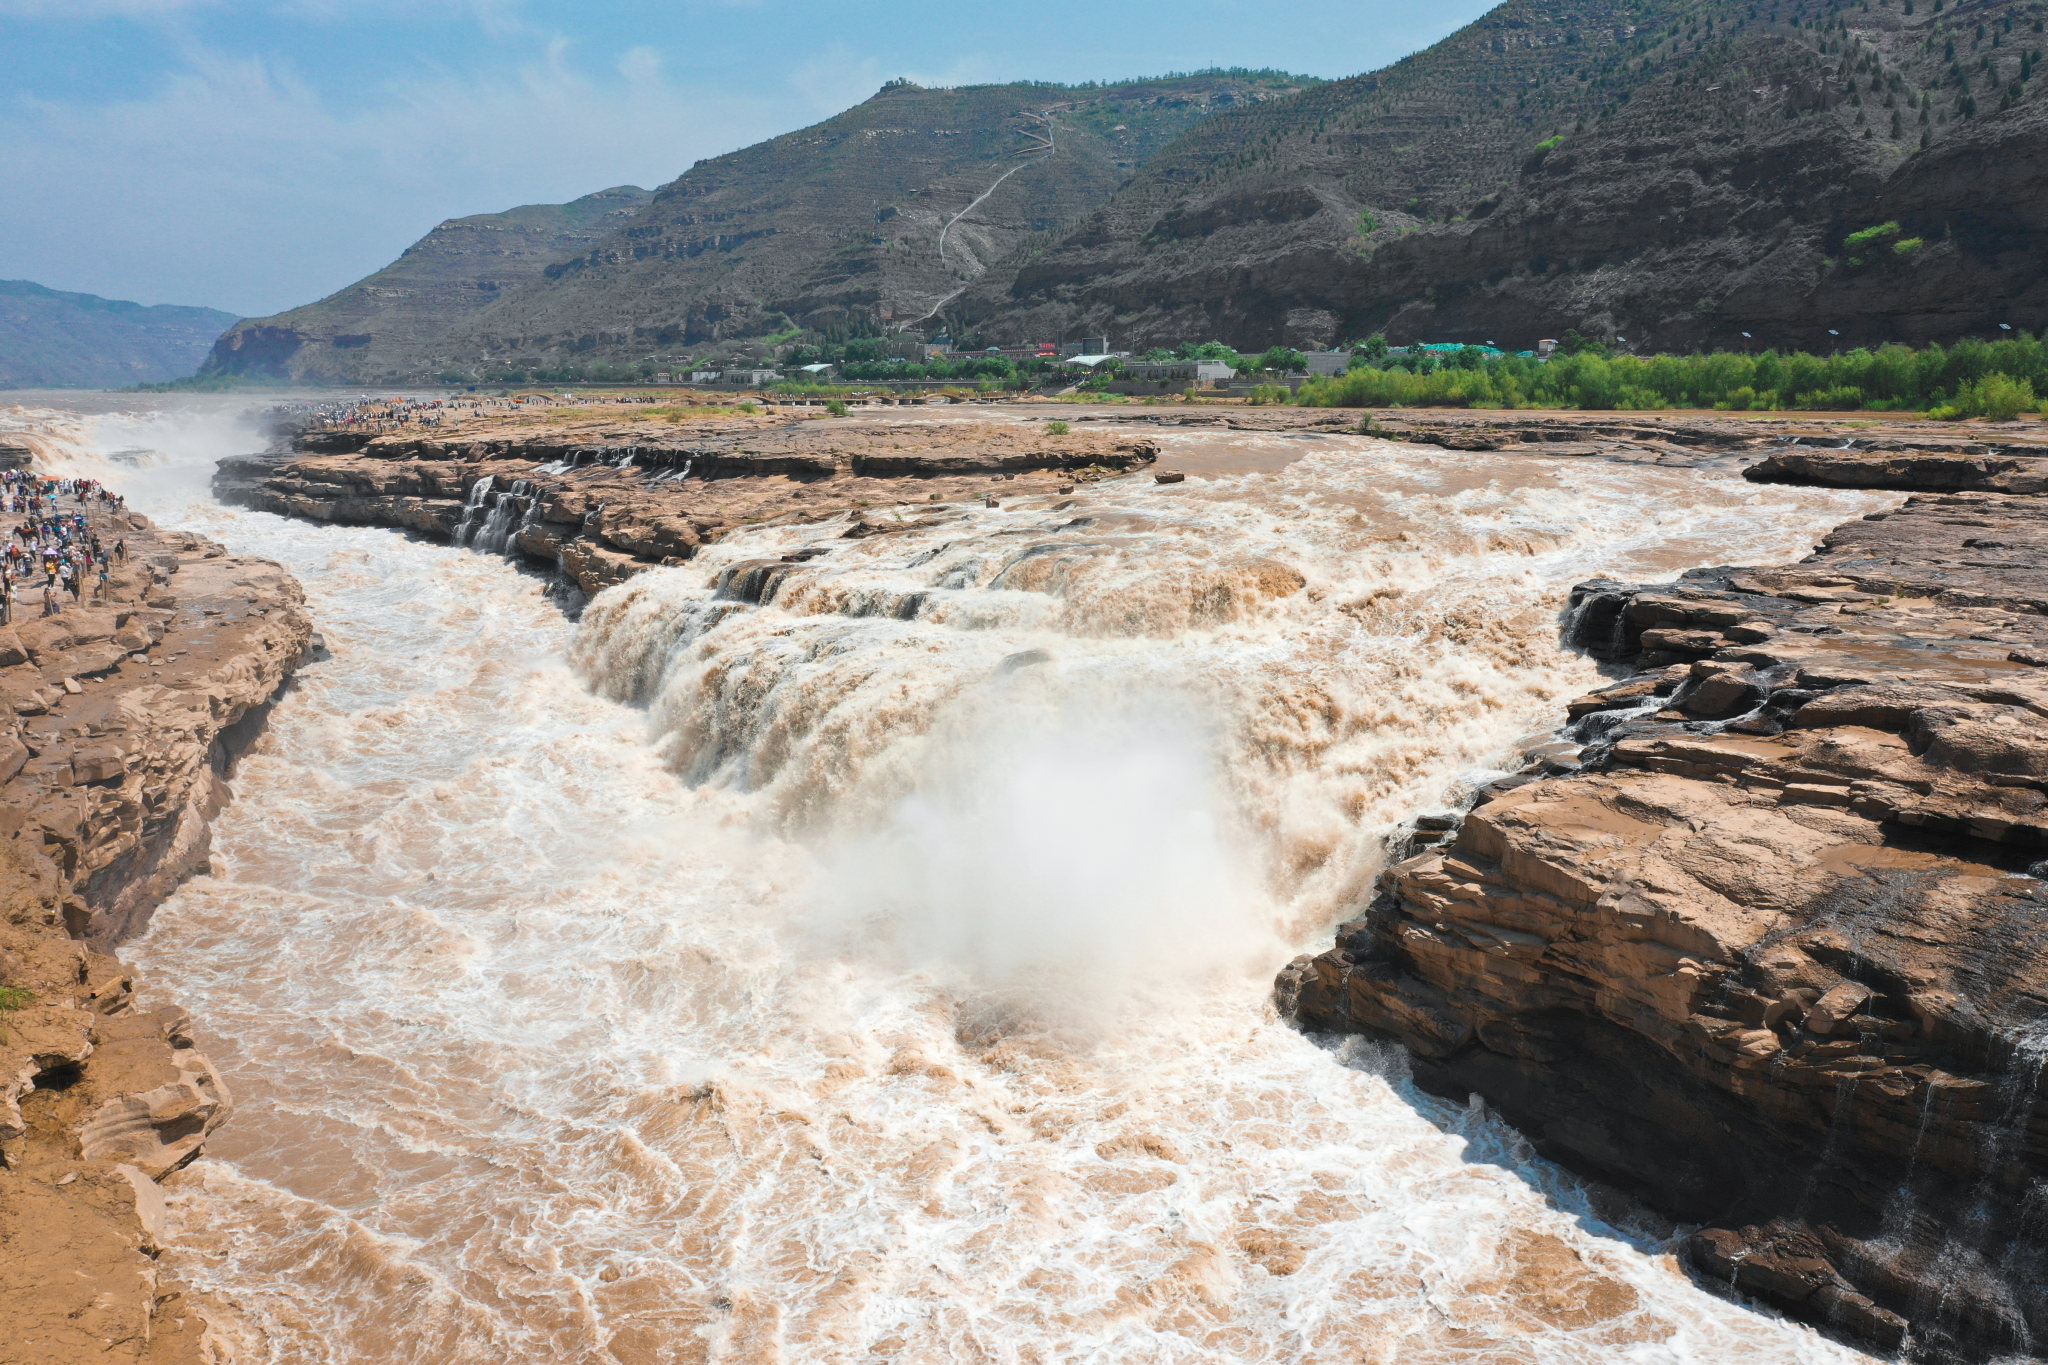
[(255, 156)]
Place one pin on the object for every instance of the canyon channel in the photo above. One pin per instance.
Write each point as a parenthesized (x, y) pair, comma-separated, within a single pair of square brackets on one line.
[(883, 970)]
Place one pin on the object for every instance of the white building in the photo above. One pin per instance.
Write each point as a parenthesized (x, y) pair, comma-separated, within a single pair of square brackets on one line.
[(1191, 371)]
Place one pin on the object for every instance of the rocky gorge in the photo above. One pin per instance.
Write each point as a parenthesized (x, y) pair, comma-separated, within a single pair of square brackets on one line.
[(1759, 939), (119, 720), (1753, 941)]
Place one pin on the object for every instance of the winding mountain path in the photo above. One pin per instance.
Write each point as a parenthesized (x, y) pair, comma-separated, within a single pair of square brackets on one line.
[(1046, 148)]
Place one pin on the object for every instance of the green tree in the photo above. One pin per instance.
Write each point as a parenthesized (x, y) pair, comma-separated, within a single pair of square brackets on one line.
[(1573, 343)]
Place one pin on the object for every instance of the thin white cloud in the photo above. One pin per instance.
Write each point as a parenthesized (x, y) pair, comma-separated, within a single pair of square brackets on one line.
[(641, 66), (236, 184), (78, 10), (837, 78)]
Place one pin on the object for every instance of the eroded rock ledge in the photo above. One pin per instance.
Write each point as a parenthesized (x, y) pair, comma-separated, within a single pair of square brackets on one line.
[(117, 724), (1766, 951), (602, 500)]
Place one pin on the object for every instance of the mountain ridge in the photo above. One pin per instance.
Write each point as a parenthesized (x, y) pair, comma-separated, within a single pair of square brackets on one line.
[(55, 338), (837, 225), (458, 267), (1736, 138), (1671, 174)]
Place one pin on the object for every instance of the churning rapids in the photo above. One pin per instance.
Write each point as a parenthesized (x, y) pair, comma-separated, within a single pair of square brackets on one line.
[(883, 974)]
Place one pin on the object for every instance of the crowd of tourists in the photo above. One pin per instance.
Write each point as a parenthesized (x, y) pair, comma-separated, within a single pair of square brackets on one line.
[(400, 414), (375, 414), (48, 540)]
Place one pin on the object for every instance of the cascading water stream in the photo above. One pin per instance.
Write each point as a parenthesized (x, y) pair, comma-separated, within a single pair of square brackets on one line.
[(493, 517), (906, 997), (475, 508)]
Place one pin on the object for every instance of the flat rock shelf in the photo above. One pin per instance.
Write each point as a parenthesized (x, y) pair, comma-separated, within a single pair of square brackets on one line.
[(603, 500)]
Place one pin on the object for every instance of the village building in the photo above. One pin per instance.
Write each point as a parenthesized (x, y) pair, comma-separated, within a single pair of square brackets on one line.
[(1188, 371), (1087, 362)]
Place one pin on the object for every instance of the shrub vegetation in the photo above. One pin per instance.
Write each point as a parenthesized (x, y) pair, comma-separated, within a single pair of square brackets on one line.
[(1970, 379)]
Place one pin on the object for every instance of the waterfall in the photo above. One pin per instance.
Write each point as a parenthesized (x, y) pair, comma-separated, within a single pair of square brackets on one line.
[(473, 508), (879, 968), (493, 518)]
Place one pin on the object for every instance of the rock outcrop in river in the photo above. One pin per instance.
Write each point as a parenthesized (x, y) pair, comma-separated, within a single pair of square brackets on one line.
[(1768, 949), (119, 721), (603, 499)]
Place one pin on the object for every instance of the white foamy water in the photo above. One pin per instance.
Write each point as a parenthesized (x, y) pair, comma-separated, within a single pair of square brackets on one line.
[(883, 974)]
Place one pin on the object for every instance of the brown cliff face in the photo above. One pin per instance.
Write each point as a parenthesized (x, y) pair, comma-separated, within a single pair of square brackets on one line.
[(1767, 950), (120, 719), (601, 501)]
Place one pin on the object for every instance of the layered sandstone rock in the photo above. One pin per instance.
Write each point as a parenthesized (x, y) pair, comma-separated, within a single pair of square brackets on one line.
[(1769, 949), (118, 720), (1965, 467), (603, 499)]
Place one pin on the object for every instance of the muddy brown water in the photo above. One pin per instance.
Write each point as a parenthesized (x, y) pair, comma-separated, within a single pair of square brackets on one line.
[(882, 973)]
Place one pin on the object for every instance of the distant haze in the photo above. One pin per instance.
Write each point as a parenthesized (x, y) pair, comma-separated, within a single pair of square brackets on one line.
[(256, 156), (55, 339)]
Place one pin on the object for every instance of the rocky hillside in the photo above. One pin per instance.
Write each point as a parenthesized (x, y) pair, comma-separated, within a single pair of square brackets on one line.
[(874, 216), (52, 339), (1676, 173), (392, 322)]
